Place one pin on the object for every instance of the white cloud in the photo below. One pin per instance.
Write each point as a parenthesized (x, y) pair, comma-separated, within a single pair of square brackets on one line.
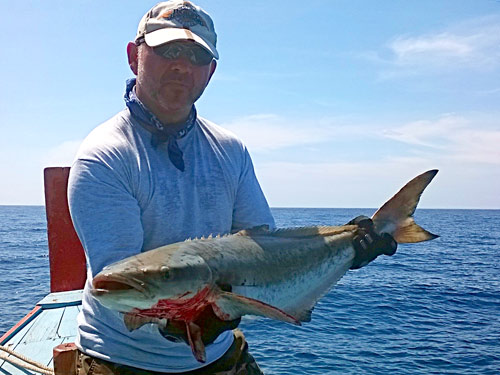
[(478, 146), (473, 138), (336, 184), (266, 132), (22, 169), (474, 44), (490, 91), (464, 147), (371, 183), (342, 184), (426, 132), (453, 137), (433, 48), (61, 155)]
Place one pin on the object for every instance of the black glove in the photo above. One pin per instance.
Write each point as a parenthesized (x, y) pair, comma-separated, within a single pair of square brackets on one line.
[(368, 244)]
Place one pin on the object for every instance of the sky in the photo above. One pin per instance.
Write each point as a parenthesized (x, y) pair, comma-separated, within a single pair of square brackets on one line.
[(340, 102)]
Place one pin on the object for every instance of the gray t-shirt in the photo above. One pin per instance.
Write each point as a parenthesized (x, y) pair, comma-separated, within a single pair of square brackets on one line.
[(126, 196)]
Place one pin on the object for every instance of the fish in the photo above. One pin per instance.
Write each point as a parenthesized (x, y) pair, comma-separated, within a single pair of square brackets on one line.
[(279, 274)]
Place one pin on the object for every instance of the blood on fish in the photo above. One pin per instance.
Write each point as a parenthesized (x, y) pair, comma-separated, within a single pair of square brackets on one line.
[(178, 308)]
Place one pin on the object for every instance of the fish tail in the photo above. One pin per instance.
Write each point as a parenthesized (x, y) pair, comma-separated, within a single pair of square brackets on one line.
[(396, 215)]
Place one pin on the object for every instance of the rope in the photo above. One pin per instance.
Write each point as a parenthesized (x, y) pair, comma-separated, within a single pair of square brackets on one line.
[(24, 362)]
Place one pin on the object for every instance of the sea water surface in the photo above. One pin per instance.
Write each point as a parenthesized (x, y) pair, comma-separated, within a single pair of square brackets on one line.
[(433, 308)]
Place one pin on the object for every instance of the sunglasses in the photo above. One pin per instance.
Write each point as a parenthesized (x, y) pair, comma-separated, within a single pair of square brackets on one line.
[(194, 53)]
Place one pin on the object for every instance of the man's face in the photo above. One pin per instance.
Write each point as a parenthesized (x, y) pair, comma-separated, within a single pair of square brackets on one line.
[(169, 86)]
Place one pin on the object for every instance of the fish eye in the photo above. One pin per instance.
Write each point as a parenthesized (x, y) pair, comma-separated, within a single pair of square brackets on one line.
[(165, 272)]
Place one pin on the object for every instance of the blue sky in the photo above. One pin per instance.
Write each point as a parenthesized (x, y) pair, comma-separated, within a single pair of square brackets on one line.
[(340, 102)]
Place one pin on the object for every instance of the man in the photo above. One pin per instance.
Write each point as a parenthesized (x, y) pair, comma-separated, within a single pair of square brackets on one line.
[(154, 174)]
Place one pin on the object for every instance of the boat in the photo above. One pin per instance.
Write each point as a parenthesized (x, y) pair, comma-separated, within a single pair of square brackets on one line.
[(49, 329)]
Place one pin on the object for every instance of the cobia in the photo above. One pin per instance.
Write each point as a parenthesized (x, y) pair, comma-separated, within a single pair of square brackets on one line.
[(278, 274)]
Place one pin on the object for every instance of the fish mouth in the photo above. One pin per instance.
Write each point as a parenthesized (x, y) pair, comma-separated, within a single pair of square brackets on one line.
[(109, 283)]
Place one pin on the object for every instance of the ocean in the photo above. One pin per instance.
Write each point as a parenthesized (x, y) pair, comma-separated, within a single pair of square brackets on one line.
[(433, 308)]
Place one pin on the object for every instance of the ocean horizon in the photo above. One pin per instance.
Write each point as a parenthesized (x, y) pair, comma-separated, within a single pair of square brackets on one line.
[(432, 308)]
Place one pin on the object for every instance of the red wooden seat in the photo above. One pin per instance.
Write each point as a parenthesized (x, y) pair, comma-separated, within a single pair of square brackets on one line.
[(67, 258)]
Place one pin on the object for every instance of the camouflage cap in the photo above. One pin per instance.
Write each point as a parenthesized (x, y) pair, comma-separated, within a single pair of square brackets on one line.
[(178, 20)]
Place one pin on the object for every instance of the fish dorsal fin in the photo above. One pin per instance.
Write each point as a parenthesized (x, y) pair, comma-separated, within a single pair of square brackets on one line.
[(300, 232), (230, 306), (323, 231), (260, 229)]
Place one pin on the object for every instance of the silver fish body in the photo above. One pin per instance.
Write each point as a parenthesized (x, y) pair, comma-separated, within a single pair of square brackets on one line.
[(278, 274), (288, 269)]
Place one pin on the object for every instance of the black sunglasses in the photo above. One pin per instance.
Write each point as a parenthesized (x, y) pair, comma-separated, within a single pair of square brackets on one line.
[(196, 54)]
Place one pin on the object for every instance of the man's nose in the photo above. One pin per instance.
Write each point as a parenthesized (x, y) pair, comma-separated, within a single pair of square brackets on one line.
[(181, 64)]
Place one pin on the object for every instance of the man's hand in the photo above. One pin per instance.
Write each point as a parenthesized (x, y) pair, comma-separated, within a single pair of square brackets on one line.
[(368, 244)]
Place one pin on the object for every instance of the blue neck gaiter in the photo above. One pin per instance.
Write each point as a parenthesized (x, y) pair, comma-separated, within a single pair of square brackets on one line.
[(159, 132)]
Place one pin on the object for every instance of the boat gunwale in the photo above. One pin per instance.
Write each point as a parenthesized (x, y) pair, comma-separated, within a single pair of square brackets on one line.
[(50, 301), (28, 318)]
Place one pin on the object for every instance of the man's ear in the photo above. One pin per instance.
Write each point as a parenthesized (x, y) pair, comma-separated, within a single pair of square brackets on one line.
[(212, 68), (133, 53)]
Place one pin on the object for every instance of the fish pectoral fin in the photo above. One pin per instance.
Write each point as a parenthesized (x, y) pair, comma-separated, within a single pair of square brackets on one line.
[(133, 321), (195, 341), (306, 315), (230, 306)]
